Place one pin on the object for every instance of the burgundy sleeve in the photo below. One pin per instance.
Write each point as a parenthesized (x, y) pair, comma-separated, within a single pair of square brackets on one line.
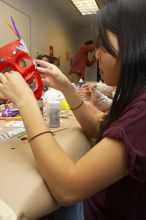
[(88, 48), (130, 128)]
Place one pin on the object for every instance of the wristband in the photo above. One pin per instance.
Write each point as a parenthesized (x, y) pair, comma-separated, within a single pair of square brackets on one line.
[(32, 138), (77, 106)]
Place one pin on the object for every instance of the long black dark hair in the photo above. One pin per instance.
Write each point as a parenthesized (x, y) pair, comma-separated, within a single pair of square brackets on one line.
[(126, 19)]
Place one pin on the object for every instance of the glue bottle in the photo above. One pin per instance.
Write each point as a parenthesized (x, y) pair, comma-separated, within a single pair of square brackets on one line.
[(81, 82), (53, 114)]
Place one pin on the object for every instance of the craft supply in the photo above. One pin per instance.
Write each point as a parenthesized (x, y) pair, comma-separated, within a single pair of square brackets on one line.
[(10, 56), (53, 115), (12, 133), (18, 124), (16, 30), (81, 82), (11, 118)]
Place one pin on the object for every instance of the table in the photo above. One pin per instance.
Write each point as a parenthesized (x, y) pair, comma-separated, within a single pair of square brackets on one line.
[(21, 186)]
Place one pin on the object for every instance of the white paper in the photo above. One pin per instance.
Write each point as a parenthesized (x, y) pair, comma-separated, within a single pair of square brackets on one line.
[(10, 134), (6, 212), (18, 124)]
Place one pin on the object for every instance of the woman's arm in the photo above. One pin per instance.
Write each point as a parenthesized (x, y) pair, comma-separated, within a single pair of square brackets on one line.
[(88, 119), (68, 181)]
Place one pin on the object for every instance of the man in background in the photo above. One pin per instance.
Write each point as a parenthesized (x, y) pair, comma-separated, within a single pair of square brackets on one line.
[(81, 61)]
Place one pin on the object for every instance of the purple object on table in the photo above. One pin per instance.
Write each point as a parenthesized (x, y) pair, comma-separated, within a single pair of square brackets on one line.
[(9, 113)]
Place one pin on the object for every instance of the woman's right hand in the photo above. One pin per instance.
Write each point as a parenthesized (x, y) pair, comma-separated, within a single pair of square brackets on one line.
[(52, 75), (13, 87)]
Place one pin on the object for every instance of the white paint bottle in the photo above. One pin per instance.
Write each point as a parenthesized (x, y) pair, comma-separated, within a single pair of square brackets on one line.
[(53, 114)]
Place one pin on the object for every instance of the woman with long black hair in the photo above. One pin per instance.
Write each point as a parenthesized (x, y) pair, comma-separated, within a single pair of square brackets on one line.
[(111, 177)]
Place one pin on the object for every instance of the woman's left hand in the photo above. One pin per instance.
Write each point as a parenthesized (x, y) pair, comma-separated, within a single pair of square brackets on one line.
[(52, 75)]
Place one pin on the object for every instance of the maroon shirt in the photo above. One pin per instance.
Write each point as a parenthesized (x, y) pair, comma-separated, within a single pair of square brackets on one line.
[(125, 199), (81, 60)]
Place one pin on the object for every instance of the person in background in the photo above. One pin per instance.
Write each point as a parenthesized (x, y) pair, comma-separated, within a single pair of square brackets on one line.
[(55, 61), (50, 59), (81, 62), (99, 86), (44, 57), (100, 101), (98, 94), (110, 178), (96, 97)]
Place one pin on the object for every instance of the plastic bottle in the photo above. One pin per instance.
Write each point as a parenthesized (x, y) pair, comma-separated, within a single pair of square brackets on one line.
[(81, 82), (53, 114)]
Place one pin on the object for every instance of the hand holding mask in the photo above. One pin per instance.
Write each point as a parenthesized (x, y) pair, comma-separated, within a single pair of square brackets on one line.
[(11, 57)]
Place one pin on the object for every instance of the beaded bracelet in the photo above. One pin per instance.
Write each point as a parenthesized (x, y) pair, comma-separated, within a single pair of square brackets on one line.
[(30, 139), (77, 106)]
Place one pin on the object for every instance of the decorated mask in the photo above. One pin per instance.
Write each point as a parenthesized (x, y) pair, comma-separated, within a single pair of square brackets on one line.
[(15, 56)]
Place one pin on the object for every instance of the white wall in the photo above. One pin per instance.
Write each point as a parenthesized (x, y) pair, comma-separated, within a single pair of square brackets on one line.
[(49, 27)]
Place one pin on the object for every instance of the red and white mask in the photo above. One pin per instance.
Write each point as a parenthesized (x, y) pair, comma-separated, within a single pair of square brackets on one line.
[(15, 56)]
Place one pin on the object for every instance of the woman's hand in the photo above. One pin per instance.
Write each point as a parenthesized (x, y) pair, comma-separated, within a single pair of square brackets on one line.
[(89, 85), (85, 92), (13, 87), (51, 75)]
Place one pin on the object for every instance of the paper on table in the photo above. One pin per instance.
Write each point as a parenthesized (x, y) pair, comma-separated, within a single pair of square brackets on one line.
[(18, 124), (10, 134), (6, 212)]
